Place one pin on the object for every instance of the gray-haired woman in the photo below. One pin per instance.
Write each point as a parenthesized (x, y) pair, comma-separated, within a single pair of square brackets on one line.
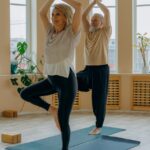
[(62, 37)]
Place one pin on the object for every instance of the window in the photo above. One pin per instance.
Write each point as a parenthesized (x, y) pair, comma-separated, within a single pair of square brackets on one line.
[(141, 25), (19, 28), (113, 41)]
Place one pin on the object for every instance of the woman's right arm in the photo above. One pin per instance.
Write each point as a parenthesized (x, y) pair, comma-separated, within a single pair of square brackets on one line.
[(44, 12), (86, 23)]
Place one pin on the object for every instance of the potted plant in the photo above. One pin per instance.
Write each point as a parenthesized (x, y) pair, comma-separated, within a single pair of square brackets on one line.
[(24, 79), (142, 44)]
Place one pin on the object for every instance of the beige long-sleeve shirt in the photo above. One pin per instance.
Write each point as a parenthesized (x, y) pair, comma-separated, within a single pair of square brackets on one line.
[(96, 46)]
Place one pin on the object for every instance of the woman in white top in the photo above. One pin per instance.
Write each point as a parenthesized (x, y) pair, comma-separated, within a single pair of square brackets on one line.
[(62, 37), (95, 76)]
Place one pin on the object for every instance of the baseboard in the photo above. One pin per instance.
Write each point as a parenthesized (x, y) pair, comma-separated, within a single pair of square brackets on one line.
[(114, 111), (88, 111)]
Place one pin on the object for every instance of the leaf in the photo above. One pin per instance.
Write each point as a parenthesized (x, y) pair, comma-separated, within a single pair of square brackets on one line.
[(22, 47), (143, 42), (138, 34), (20, 89), (41, 62), (26, 80), (32, 68), (14, 81), (21, 71)]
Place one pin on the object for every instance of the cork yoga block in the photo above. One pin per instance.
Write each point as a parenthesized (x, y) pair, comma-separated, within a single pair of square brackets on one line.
[(11, 138), (10, 113)]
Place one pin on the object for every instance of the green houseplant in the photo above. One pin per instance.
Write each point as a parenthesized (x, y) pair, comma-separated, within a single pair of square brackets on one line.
[(142, 43), (24, 76)]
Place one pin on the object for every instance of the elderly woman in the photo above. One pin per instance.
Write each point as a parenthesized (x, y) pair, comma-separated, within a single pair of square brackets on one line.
[(96, 73), (62, 37)]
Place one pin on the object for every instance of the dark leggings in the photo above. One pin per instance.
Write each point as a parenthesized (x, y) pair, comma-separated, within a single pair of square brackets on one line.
[(95, 78), (66, 89)]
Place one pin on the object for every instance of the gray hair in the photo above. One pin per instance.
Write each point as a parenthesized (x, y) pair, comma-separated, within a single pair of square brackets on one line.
[(98, 15), (66, 10)]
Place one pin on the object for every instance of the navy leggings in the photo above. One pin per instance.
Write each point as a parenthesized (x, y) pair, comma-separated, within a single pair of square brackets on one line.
[(66, 89), (95, 78)]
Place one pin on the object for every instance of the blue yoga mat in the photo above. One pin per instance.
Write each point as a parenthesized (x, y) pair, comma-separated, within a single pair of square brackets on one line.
[(54, 143), (107, 143)]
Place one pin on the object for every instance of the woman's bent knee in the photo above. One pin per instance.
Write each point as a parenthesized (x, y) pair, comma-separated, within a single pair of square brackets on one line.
[(24, 95)]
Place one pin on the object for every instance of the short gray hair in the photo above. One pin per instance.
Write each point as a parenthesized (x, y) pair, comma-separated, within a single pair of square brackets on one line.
[(66, 10), (98, 15)]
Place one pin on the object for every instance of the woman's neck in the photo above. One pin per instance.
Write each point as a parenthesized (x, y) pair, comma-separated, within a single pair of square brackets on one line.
[(59, 28)]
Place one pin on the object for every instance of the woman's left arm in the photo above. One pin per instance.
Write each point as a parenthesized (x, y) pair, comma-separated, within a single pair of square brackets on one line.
[(76, 22)]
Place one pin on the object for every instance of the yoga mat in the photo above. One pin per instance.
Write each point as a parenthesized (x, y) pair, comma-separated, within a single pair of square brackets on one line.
[(107, 143), (54, 143)]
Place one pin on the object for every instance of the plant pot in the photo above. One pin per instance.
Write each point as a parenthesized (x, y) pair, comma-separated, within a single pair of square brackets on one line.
[(14, 66)]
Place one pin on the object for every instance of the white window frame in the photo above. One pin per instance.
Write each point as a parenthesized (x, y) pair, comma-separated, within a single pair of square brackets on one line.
[(134, 31), (28, 25), (116, 37)]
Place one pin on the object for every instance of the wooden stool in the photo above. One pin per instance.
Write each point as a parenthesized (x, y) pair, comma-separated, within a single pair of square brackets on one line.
[(11, 138), (10, 113)]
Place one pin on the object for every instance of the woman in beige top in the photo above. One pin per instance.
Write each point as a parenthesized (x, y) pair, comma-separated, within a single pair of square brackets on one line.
[(95, 76), (62, 36)]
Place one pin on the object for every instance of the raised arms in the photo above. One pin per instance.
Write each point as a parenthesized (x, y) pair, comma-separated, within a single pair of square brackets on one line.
[(44, 13), (106, 12), (104, 9), (86, 23), (77, 15)]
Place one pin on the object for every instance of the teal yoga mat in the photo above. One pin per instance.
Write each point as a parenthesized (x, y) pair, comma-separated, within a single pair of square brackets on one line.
[(107, 143), (78, 137)]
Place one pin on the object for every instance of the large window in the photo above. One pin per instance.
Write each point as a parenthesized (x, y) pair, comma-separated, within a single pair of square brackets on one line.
[(113, 41), (19, 27), (141, 25)]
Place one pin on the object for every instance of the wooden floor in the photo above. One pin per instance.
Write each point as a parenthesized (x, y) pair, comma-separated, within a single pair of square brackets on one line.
[(38, 126)]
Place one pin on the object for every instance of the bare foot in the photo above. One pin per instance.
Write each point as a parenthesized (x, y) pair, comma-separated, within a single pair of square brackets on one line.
[(95, 131), (54, 113)]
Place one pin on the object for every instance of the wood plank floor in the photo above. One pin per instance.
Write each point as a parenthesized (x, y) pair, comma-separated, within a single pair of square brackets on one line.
[(40, 125)]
